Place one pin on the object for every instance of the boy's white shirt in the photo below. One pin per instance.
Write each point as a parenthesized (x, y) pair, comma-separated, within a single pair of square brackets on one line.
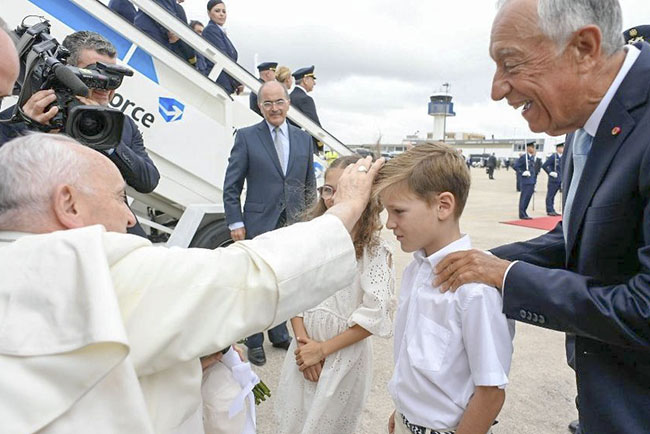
[(446, 344)]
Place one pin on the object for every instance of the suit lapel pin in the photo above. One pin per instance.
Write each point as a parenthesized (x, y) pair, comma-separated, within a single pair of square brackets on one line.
[(616, 131)]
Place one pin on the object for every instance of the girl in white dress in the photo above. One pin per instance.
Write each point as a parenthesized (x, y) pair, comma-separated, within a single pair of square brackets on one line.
[(327, 372)]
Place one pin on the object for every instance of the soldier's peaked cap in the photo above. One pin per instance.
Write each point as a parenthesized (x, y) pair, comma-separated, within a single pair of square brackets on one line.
[(265, 66), (304, 72), (637, 34)]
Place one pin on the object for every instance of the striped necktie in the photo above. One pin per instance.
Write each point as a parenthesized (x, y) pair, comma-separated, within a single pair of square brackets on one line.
[(581, 146)]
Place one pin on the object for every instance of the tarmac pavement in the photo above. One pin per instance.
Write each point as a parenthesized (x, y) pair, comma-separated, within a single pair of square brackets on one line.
[(540, 396)]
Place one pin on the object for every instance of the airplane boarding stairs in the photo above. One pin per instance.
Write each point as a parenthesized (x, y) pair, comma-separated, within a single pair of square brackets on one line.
[(187, 120)]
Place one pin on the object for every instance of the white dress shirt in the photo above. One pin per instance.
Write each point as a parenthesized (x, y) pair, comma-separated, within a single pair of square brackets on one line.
[(102, 332), (446, 344)]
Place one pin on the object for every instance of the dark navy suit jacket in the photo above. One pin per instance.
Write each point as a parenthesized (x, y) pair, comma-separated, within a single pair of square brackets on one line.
[(215, 35), (597, 284), (553, 164), (145, 23), (520, 167), (304, 103), (253, 158), (131, 158), (124, 8)]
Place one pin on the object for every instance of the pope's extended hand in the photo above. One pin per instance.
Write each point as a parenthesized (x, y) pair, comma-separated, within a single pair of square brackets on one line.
[(353, 190)]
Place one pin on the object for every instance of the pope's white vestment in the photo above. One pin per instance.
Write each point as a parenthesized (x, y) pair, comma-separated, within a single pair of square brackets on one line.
[(101, 332)]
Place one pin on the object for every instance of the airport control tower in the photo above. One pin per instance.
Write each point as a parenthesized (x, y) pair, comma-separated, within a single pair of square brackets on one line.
[(440, 107)]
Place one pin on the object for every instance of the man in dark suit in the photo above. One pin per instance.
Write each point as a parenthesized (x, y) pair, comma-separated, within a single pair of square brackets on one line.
[(491, 165), (148, 25), (527, 169), (590, 276), (305, 82), (553, 168), (267, 73), (275, 160), (125, 8)]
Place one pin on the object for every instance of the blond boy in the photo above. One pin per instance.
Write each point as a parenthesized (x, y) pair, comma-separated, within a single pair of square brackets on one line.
[(452, 350)]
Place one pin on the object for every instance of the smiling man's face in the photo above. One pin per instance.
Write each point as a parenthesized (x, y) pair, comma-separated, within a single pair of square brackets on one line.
[(533, 74)]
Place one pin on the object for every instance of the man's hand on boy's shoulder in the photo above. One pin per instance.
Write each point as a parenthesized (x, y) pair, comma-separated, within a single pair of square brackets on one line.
[(470, 266)]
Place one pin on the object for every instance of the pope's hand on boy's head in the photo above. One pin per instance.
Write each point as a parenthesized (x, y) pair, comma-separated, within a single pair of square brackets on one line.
[(469, 266), (356, 181)]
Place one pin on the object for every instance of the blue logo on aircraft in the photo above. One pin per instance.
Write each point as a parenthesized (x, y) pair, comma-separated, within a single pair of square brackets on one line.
[(170, 109), (319, 170)]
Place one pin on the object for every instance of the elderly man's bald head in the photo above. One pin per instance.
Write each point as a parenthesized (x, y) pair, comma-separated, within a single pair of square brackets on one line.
[(9, 66), (50, 182)]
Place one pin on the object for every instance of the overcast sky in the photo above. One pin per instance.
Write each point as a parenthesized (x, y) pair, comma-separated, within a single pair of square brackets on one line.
[(378, 62)]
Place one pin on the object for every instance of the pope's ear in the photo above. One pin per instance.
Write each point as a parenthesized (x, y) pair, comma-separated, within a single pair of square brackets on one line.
[(65, 204)]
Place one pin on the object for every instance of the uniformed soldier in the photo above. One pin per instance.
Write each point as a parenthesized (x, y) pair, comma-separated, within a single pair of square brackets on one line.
[(124, 8), (491, 165), (526, 167), (553, 167), (267, 73), (305, 82), (163, 36), (637, 34)]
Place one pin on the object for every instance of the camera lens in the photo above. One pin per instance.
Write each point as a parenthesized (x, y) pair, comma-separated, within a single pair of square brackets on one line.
[(92, 124), (95, 126)]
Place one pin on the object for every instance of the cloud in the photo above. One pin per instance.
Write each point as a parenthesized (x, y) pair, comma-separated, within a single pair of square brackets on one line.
[(378, 61)]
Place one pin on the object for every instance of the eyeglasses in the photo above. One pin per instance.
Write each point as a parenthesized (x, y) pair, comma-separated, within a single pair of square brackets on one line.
[(281, 103), (326, 191)]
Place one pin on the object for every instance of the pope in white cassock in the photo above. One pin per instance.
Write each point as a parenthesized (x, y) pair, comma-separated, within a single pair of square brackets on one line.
[(102, 332)]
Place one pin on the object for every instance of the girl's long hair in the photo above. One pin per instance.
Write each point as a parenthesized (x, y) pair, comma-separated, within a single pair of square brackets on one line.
[(367, 229)]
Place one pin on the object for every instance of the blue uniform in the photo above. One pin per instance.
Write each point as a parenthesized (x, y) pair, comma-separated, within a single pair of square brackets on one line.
[(124, 8), (145, 23), (527, 183), (9, 131), (553, 164), (216, 36)]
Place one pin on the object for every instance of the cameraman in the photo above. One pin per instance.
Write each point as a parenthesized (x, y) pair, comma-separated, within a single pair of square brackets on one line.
[(130, 156)]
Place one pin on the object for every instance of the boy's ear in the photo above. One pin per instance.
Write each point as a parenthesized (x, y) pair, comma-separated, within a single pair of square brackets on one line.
[(446, 205)]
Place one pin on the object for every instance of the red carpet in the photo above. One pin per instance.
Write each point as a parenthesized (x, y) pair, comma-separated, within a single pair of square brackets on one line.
[(544, 223)]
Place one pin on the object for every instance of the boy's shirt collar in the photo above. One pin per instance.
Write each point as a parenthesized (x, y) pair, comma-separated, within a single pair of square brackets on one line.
[(463, 243)]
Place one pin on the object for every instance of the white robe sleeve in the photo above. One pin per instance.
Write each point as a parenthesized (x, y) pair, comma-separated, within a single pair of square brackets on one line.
[(179, 304)]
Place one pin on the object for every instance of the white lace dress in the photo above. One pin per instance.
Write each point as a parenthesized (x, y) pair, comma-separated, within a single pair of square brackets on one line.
[(334, 404)]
